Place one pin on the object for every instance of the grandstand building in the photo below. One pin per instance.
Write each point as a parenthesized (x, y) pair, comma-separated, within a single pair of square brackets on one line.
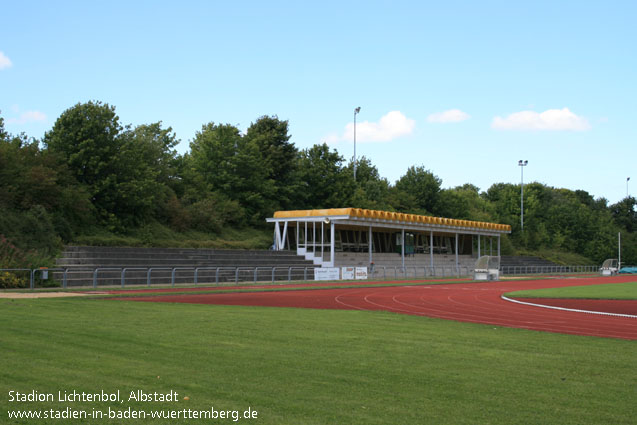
[(355, 236)]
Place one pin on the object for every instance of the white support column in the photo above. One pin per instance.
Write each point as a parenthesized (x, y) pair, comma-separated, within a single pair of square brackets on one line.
[(479, 253), (431, 248), (277, 237), (298, 242), (322, 239), (285, 234), (369, 243), (402, 250), (498, 245), (314, 238), (305, 236), (332, 239), (457, 252)]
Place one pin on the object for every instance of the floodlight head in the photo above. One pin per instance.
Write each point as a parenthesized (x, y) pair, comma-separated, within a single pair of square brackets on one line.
[(357, 110)]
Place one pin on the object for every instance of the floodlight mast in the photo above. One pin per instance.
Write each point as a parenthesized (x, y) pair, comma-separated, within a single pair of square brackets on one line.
[(356, 111), (522, 164)]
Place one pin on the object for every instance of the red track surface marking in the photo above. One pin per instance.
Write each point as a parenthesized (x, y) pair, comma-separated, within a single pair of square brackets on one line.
[(465, 302)]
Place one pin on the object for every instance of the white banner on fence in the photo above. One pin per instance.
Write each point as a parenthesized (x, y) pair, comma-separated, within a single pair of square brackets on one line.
[(361, 272), (348, 273), (326, 273)]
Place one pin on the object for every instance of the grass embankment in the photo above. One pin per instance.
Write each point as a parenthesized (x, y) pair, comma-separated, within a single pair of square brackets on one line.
[(559, 257), (611, 291), (297, 366), (160, 236)]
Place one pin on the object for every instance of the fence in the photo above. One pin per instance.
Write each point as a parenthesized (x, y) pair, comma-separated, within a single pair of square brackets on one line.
[(520, 270), (124, 276), (148, 276)]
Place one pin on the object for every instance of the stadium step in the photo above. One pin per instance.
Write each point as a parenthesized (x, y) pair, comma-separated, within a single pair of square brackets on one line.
[(80, 261)]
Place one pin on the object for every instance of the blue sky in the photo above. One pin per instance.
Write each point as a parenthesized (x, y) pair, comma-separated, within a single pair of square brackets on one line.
[(464, 88)]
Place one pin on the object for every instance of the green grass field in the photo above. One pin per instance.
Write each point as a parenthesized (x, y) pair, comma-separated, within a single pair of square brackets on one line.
[(296, 366), (612, 291)]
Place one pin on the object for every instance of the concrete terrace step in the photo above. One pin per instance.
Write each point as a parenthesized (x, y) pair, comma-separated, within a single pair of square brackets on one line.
[(78, 259), (141, 262), (513, 260)]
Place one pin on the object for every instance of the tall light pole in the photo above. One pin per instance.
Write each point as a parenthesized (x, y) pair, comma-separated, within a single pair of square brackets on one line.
[(356, 111), (522, 164)]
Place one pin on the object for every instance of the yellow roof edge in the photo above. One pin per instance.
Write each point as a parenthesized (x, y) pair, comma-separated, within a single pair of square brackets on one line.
[(390, 215)]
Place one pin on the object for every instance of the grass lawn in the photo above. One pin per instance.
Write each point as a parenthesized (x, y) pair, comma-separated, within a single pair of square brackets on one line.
[(611, 291), (296, 366)]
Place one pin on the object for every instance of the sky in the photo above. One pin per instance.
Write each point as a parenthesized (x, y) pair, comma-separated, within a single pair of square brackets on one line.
[(465, 89)]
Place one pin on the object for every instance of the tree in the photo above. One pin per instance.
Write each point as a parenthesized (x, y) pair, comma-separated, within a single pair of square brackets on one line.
[(212, 155), (3, 133), (464, 202), (41, 202), (371, 190), (126, 172), (417, 191), (87, 135), (278, 157), (625, 213), (324, 183), (231, 166)]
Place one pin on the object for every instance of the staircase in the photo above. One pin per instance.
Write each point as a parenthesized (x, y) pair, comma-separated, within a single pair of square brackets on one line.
[(214, 265)]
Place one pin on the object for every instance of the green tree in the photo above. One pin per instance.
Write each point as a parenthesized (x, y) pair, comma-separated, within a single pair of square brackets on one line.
[(324, 182), (278, 156), (126, 172), (371, 190), (3, 133), (223, 162), (464, 202), (625, 213), (87, 135), (418, 191), (41, 202)]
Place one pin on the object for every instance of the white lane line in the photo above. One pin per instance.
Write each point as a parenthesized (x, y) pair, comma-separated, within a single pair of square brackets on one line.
[(632, 316)]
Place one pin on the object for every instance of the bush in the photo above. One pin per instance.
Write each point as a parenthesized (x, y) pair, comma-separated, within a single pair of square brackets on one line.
[(212, 214), (9, 280)]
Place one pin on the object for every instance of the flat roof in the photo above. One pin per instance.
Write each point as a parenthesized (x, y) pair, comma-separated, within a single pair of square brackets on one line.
[(390, 219)]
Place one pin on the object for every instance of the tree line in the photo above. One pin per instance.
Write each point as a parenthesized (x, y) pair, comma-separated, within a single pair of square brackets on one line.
[(90, 171)]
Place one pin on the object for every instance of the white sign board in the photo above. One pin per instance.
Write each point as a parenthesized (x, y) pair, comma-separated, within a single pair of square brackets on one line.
[(361, 272), (326, 273), (348, 273)]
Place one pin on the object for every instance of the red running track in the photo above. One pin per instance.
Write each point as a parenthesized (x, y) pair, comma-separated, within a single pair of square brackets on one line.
[(465, 302)]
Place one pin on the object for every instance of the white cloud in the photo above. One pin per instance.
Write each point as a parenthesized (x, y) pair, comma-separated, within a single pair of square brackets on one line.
[(452, 115), (552, 119), (28, 117), (5, 62), (390, 126)]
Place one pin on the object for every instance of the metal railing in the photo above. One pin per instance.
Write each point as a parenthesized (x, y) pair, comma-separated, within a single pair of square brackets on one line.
[(525, 270), (112, 276)]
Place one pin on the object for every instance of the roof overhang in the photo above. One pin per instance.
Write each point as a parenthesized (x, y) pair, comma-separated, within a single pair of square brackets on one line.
[(391, 220)]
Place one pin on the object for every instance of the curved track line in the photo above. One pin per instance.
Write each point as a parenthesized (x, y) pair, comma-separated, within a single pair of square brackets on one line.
[(632, 316)]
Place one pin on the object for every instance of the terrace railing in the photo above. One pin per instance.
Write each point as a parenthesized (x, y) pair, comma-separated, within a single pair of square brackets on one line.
[(128, 276)]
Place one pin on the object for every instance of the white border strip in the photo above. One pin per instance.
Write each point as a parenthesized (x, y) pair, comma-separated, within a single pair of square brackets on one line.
[(568, 309)]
